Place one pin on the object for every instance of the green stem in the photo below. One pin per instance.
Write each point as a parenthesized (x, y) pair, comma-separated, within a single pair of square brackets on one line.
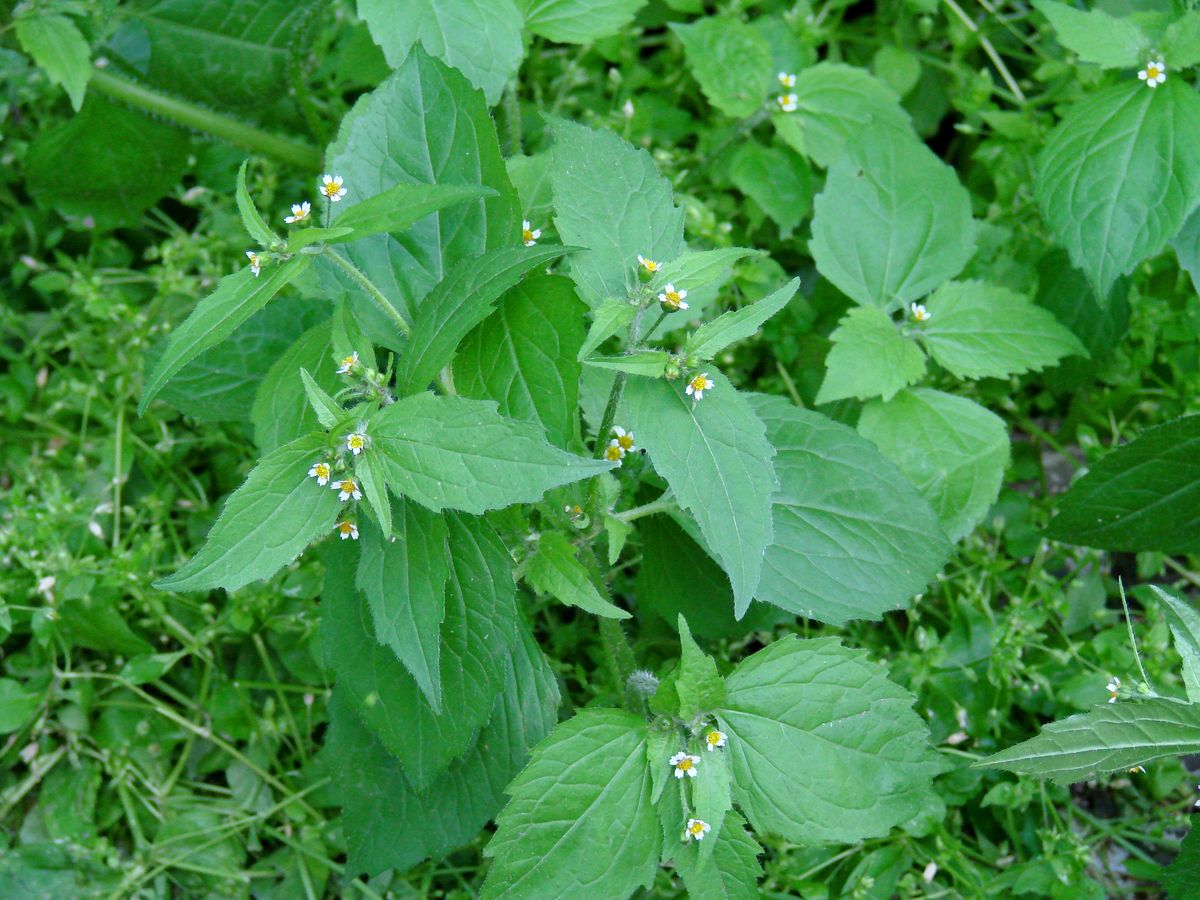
[(610, 413), (665, 503), (192, 116), (373, 292), (512, 120), (617, 653)]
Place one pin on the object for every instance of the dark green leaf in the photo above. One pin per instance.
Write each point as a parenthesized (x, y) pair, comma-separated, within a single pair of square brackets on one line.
[(281, 411)]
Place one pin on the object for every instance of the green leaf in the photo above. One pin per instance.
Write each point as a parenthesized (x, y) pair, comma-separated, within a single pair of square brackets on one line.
[(236, 299), (730, 60), (281, 411), (951, 449), (524, 357), (463, 299), (555, 570), (609, 199), (480, 38), (372, 477), (714, 336), (1185, 629), (712, 798), (700, 688), (714, 454), (870, 357), (695, 269), (1095, 36), (398, 207), (266, 523), (978, 330), (892, 223), (388, 823), (306, 237), (823, 747), (852, 538), (1183, 874), (578, 21), (59, 49), (1145, 495), (1110, 738), (1187, 247), (836, 105), (328, 411), (258, 229), (646, 363), (609, 317), (580, 821), (777, 180), (404, 579), (462, 454), (732, 871), (1119, 176), (17, 705), (1181, 43)]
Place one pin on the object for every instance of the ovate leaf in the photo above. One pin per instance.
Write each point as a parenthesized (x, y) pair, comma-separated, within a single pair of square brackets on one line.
[(610, 317), (730, 60), (1096, 36), (1185, 629), (59, 49), (327, 410), (578, 21), (713, 337), (869, 358), (555, 570)]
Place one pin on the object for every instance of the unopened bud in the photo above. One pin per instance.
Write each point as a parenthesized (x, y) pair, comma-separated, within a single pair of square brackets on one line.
[(642, 683)]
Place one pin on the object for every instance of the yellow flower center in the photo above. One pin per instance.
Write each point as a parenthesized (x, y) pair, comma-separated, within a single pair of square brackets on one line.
[(699, 383), (650, 265), (714, 737), (348, 487), (625, 442), (322, 471), (613, 453), (331, 189), (684, 764), (673, 298), (1152, 71), (526, 234), (345, 527), (696, 828), (349, 361)]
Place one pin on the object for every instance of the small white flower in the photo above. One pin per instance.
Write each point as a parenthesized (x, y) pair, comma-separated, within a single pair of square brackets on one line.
[(627, 109), (300, 213), (919, 312), (256, 262), (348, 363), (1154, 74), (1114, 689), (529, 234), (697, 829), (356, 442), (714, 739), (346, 490), (648, 264), (685, 764), (331, 187), (788, 102), (929, 873), (320, 471), (624, 439), (787, 80), (347, 530), (672, 299), (614, 452), (698, 385)]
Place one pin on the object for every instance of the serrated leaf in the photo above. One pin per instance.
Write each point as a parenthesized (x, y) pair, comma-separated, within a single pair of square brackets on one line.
[(951, 449), (978, 330), (778, 180), (892, 223), (556, 838), (236, 299), (1109, 738), (1144, 495), (608, 318), (372, 479), (266, 523), (870, 357), (258, 229), (398, 207), (404, 579), (57, 46), (610, 199), (714, 336), (1119, 175), (450, 452), (327, 410), (712, 798), (662, 740), (700, 688), (730, 60), (646, 363), (714, 454), (733, 870), (578, 21), (555, 570), (281, 411), (1183, 874), (1095, 36), (1185, 629), (823, 747), (1181, 42), (852, 538)]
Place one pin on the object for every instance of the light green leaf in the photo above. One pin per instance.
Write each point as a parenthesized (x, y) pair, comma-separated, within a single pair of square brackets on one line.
[(609, 318), (578, 21), (17, 705), (59, 49), (1112, 737), (712, 797), (236, 299), (404, 579), (1119, 176), (951, 449), (327, 410), (714, 454), (258, 229), (372, 477), (852, 538), (700, 688), (778, 180), (695, 269), (662, 741), (731, 873), (1096, 36), (266, 523), (1187, 247), (823, 747), (730, 60), (1185, 629), (609, 199), (580, 822), (555, 570), (978, 330), (714, 336), (450, 452), (647, 363), (870, 357), (481, 38), (281, 411), (1181, 44), (892, 223), (306, 237), (524, 356), (398, 207)]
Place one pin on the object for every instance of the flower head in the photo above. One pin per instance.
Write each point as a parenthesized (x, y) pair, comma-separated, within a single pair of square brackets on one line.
[(685, 764), (1138, 770), (1154, 74), (320, 471), (624, 439), (649, 265), (348, 363), (788, 102), (331, 187), (614, 452), (787, 80), (356, 442), (672, 299), (697, 829), (256, 262), (714, 739), (347, 489), (919, 312), (1114, 689), (347, 529), (300, 213), (698, 385), (529, 234)]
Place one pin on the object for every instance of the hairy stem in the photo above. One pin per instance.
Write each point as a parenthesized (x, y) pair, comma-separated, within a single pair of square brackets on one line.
[(373, 292), (610, 413)]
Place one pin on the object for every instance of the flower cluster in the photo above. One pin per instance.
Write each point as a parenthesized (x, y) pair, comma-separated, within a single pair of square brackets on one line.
[(347, 486), (330, 187), (919, 312), (685, 764), (787, 101), (621, 444)]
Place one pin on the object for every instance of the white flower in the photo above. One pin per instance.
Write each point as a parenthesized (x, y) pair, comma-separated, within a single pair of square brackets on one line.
[(614, 452), (529, 234), (672, 299), (627, 109), (348, 363), (787, 80), (320, 471), (300, 213), (624, 439), (347, 489), (1154, 74), (1114, 689), (697, 829), (698, 385), (648, 264), (347, 530), (714, 739), (685, 764), (919, 312), (256, 262), (788, 102), (929, 872), (331, 187), (356, 442)]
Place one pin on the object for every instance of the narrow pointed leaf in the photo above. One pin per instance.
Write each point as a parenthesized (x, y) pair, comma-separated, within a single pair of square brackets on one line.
[(398, 207), (1185, 629), (713, 337), (555, 570), (251, 218)]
